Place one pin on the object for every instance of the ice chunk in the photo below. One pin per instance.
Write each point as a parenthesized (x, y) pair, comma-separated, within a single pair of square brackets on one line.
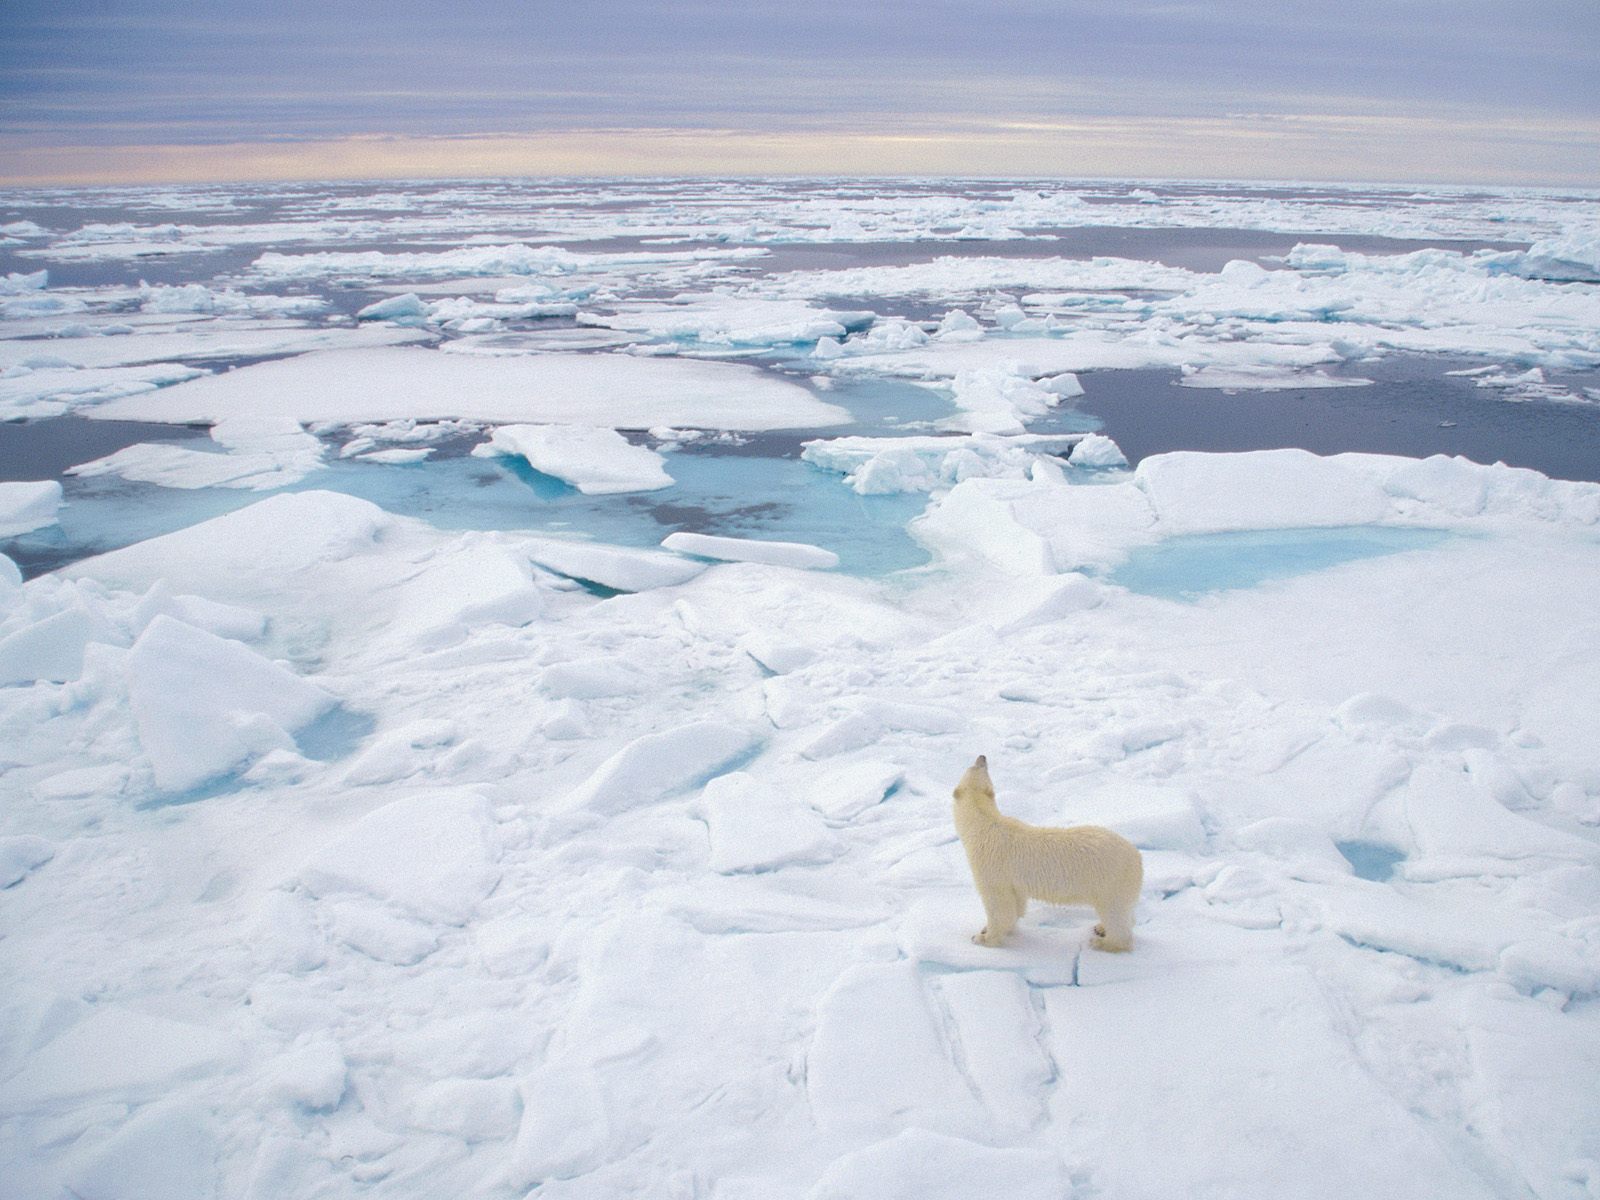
[(999, 400), (204, 705), (1269, 377), (50, 649), (978, 522), (754, 827), (878, 1060), (1047, 601), (25, 507), (20, 855), (595, 461), (655, 766), (780, 554), (1193, 492), (843, 793), (119, 1053), (405, 309), (476, 581), (614, 567), (917, 1164), (224, 620), (615, 391), (271, 539), (167, 1152), (431, 855), (1097, 450)]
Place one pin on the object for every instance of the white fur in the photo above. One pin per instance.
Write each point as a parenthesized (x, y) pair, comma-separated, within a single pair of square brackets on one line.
[(1013, 862)]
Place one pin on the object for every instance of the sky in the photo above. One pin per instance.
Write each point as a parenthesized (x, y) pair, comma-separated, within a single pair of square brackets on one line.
[(1459, 91)]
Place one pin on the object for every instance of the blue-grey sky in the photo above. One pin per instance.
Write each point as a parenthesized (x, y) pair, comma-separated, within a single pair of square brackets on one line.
[(1458, 90)]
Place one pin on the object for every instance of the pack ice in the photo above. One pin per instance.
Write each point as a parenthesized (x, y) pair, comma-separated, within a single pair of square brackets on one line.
[(343, 855)]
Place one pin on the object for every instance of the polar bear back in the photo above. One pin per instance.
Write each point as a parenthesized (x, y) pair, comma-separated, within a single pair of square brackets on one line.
[(1080, 864)]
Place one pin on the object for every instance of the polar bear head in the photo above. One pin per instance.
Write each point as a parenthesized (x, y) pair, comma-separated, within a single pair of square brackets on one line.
[(975, 787)]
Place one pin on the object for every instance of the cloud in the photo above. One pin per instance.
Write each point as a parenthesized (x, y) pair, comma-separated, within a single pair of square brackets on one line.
[(141, 73), (1243, 146)]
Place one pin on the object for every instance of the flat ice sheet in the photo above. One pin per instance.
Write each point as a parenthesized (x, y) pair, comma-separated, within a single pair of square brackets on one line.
[(612, 390)]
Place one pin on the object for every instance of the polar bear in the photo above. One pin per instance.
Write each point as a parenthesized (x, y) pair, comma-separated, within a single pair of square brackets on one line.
[(1013, 861)]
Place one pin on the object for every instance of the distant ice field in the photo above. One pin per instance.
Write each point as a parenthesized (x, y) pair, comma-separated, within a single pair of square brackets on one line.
[(1128, 285)]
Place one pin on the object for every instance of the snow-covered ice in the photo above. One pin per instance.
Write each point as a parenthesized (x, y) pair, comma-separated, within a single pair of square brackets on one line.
[(344, 853)]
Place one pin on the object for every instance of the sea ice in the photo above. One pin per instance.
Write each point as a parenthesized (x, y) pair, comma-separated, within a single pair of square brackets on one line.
[(609, 390), (204, 704), (595, 461), (260, 453), (753, 550)]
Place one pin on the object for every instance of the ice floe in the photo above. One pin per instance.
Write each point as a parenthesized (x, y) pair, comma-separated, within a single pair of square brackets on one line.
[(258, 453), (28, 506), (595, 461), (613, 391)]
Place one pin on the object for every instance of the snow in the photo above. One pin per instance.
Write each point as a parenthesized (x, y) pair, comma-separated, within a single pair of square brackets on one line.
[(428, 855), (119, 1052), (613, 391), (597, 462), (344, 853), (22, 855), (919, 1165), (779, 554)]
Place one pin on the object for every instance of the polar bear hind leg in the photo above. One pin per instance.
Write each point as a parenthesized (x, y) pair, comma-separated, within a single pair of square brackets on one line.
[(1115, 930)]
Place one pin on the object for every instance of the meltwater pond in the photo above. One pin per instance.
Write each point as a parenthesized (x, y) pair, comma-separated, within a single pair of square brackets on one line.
[(754, 487), (1187, 567)]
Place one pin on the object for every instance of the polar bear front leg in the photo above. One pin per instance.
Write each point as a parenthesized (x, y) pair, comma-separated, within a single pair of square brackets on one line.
[(1001, 908)]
